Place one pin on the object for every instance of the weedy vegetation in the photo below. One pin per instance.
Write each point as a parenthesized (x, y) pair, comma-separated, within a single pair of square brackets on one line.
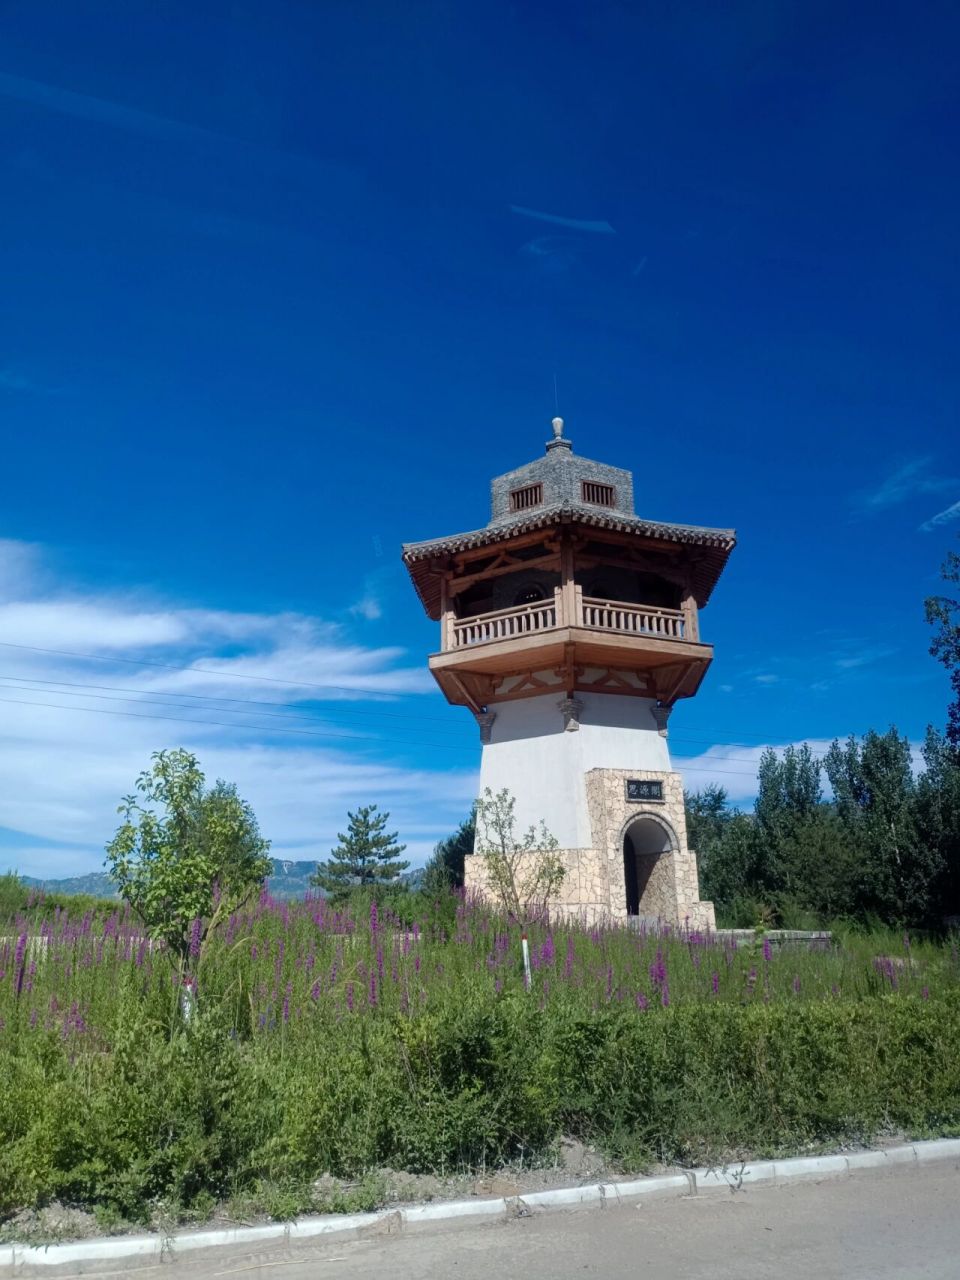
[(341, 1041)]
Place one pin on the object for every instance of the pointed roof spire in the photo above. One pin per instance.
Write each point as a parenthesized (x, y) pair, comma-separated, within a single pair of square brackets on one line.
[(558, 442)]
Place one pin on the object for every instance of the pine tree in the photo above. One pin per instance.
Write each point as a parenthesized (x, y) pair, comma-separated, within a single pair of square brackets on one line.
[(366, 856), (445, 868)]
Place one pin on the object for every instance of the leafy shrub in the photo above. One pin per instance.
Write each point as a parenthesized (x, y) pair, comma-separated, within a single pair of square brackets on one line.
[(324, 1043)]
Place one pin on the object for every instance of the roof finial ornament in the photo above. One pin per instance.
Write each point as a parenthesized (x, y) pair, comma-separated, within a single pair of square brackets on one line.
[(559, 441)]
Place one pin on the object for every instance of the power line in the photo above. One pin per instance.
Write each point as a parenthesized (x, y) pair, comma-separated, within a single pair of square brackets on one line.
[(239, 675), (242, 675), (65, 687), (349, 737), (209, 671), (225, 724), (209, 697)]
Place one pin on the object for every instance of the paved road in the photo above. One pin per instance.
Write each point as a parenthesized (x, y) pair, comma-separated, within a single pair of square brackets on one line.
[(903, 1224)]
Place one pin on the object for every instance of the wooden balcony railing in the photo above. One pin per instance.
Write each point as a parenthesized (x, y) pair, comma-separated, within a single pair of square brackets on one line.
[(504, 624), (633, 619), (544, 615)]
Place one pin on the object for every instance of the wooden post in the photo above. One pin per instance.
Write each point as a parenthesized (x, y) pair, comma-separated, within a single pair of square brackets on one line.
[(569, 615), (691, 622), (446, 615)]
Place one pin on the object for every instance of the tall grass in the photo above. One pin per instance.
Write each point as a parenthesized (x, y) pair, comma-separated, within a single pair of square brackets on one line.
[(331, 1042)]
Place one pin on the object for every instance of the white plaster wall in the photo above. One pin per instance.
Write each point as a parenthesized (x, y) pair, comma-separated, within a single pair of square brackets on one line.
[(543, 765)]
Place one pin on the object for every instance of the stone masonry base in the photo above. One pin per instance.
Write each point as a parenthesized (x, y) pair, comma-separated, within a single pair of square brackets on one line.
[(594, 886)]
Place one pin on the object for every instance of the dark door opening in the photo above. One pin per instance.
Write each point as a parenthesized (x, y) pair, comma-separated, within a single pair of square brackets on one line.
[(642, 846)]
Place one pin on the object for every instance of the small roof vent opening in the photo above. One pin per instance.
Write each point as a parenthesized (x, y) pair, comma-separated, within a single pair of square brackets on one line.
[(598, 495), (531, 495)]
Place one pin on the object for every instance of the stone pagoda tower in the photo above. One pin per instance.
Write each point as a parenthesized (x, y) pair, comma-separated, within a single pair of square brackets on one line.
[(569, 626)]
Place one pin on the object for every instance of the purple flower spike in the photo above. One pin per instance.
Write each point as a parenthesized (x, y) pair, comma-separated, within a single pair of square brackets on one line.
[(715, 982), (767, 950), (195, 931)]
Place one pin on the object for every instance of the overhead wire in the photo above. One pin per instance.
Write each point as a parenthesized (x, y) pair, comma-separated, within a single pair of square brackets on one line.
[(151, 697), (350, 737)]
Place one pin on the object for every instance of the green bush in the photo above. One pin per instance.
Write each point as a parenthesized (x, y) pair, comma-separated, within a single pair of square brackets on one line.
[(322, 1042), (206, 1116)]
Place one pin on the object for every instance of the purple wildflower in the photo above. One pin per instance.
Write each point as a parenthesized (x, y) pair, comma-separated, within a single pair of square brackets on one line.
[(767, 950), (641, 1001), (195, 931), (715, 982)]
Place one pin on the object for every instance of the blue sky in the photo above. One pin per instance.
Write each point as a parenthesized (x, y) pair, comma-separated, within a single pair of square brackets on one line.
[(285, 285)]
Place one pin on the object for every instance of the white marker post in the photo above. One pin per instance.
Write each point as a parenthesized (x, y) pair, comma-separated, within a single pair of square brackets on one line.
[(526, 961)]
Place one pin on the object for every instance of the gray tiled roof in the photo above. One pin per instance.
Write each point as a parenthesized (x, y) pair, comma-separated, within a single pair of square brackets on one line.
[(561, 472)]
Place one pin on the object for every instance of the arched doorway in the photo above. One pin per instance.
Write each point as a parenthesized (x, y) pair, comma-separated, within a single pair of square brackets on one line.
[(645, 843)]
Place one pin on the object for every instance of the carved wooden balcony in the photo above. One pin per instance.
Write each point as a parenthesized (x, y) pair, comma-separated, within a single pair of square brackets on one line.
[(544, 615), (583, 637)]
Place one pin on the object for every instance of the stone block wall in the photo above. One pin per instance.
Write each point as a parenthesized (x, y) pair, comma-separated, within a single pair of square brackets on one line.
[(594, 886)]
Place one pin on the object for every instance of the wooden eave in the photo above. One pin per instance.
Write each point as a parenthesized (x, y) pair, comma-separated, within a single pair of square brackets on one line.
[(707, 550)]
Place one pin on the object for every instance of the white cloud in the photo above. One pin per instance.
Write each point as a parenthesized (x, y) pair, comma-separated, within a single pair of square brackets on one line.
[(733, 766), (576, 224), (906, 482), (947, 516), (369, 607), (64, 764), (21, 568), (864, 658)]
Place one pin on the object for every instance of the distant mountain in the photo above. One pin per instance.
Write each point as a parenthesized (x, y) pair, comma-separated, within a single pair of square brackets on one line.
[(97, 883), (287, 880), (291, 879)]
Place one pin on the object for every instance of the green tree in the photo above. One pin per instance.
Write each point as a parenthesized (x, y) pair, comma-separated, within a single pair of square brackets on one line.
[(788, 799), (725, 843), (186, 856), (523, 870), (943, 614), (366, 857), (445, 867), (874, 792), (937, 809)]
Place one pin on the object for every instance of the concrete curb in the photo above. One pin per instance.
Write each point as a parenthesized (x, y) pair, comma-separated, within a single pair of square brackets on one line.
[(150, 1249)]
